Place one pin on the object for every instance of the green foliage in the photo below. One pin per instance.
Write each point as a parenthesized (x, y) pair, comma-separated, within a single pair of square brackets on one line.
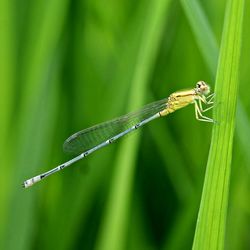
[(115, 219), (66, 65), (211, 222)]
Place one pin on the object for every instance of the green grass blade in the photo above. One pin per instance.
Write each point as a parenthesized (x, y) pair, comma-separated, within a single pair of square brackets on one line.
[(7, 66), (113, 230), (202, 32), (210, 229), (209, 49), (198, 22), (7, 76), (31, 127)]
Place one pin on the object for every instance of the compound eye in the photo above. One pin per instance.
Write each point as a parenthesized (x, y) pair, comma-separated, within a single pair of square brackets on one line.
[(198, 85)]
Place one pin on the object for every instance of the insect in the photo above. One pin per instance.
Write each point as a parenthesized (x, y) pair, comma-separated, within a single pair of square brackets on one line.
[(91, 139)]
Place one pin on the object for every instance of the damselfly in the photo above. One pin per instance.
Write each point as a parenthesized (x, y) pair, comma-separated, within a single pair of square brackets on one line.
[(91, 139)]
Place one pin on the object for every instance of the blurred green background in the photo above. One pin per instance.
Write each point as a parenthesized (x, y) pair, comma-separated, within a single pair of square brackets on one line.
[(66, 65)]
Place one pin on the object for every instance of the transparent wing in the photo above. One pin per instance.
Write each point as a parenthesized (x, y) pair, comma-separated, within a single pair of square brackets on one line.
[(90, 137)]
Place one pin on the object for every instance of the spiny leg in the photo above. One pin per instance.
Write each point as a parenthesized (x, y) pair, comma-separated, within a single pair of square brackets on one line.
[(210, 98), (199, 116), (207, 99), (201, 107)]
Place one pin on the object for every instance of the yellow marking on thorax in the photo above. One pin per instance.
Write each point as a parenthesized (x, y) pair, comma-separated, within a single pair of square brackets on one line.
[(178, 100)]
